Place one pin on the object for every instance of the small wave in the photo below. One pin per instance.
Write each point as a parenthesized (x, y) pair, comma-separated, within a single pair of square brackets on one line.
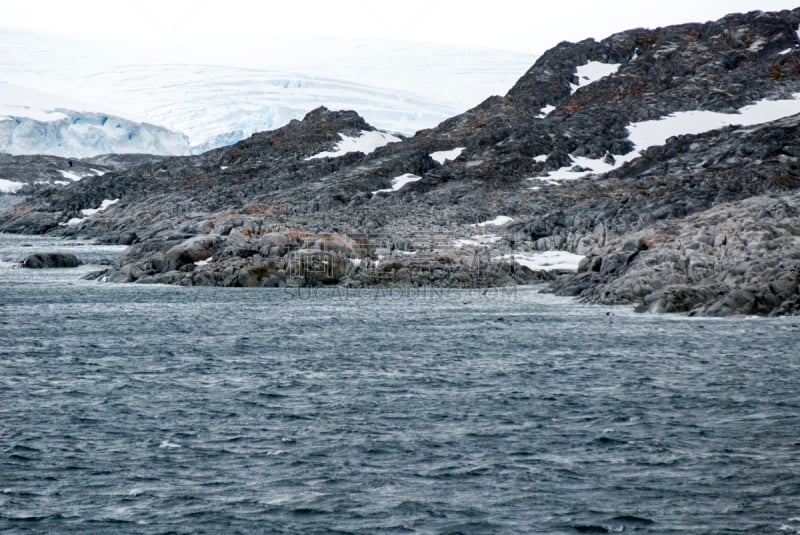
[(632, 519), (19, 457), (272, 395), (304, 511), (168, 444), (590, 528), (607, 441), (476, 527), (17, 448)]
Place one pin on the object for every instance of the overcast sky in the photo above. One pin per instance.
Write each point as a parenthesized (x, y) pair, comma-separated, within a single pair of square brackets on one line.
[(168, 61), (530, 26), (463, 50)]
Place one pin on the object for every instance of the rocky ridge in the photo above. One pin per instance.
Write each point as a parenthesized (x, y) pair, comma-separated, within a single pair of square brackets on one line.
[(34, 172), (703, 223)]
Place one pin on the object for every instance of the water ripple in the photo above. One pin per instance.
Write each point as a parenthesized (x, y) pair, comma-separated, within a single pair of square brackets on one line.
[(134, 409)]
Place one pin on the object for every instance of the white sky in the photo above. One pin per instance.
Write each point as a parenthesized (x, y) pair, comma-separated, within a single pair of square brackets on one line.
[(178, 26)]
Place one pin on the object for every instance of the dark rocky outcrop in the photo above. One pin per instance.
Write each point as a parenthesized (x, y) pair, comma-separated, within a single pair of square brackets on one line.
[(39, 171), (51, 260), (702, 223)]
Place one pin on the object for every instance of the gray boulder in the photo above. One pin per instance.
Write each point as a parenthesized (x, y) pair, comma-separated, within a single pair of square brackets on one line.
[(190, 251), (51, 260)]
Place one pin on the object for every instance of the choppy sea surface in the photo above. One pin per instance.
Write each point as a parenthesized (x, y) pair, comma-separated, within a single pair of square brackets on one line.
[(157, 409)]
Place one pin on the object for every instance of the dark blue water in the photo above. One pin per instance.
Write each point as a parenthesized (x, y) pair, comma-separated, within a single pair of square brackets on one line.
[(153, 409)]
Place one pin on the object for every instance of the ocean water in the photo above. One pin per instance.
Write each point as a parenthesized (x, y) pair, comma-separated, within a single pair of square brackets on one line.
[(156, 409)]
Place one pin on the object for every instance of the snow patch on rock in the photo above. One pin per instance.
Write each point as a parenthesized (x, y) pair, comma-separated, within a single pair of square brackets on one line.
[(443, 156), (9, 186), (545, 261), (398, 182), (544, 112), (646, 134), (592, 72), (366, 142), (89, 212), (497, 221)]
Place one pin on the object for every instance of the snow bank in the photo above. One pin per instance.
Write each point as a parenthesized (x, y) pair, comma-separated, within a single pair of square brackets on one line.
[(103, 206), (497, 221), (545, 261), (89, 212), (366, 142), (9, 186), (757, 45), (479, 240), (443, 156), (646, 134), (72, 176), (592, 72), (398, 182), (544, 112)]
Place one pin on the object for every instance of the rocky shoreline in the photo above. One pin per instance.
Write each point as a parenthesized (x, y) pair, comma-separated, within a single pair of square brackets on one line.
[(249, 257), (740, 258), (581, 157)]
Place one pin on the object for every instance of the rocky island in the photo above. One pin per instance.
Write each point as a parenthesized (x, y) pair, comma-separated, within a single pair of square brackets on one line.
[(667, 159)]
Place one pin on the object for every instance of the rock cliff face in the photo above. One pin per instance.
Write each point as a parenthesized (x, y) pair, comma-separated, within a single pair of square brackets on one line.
[(667, 157)]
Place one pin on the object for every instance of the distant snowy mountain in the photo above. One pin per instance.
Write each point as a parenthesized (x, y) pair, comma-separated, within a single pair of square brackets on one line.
[(272, 82)]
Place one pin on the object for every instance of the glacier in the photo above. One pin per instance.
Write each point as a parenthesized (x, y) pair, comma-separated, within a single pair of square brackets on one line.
[(36, 122), (85, 134), (215, 99), (219, 105), (191, 109)]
